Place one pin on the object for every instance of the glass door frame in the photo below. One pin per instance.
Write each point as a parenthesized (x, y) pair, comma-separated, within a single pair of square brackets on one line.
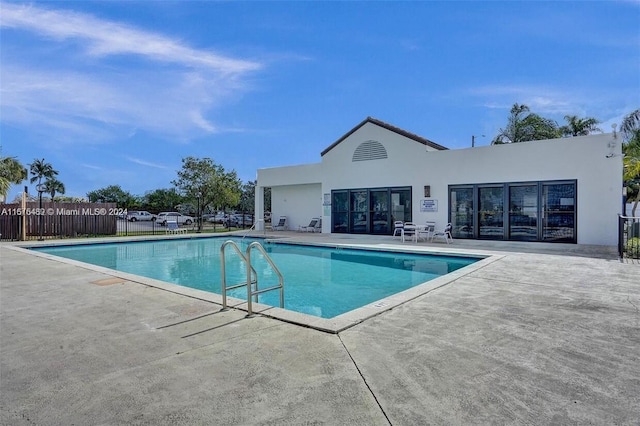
[(365, 219), (503, 214), (525, 223), (541, 210)]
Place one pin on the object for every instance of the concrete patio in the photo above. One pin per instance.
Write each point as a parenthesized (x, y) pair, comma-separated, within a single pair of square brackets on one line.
[(548, 334)]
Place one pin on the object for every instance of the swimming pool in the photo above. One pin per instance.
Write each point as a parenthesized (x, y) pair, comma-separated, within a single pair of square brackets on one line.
[(321, 281)]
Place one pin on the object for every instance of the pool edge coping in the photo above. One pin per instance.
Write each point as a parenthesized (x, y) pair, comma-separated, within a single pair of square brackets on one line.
[(330, 325)]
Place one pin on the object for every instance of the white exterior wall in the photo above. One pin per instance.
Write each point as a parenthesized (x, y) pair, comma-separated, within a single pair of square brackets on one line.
[(410, 163), (599, 179), (295, 193), (298, 202)]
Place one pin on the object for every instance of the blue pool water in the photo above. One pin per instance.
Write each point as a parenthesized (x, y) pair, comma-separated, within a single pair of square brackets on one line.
[(319, 281)]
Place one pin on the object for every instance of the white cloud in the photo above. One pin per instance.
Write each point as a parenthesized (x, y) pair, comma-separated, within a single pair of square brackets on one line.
[(69, 85), (92, 167), (110, 38), (545, 99), (553, 102), (539, 98), (146, 163)]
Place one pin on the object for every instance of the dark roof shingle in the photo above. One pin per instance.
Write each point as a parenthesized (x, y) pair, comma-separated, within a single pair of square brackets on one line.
[(387, 126)]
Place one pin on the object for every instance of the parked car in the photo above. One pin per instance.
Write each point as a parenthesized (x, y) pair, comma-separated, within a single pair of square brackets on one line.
[(207, 217), (136, 215), (181, 219), (218, 218), (237, 220)]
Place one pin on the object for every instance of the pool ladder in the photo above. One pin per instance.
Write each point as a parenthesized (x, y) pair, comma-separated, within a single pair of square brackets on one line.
[(252, 277)]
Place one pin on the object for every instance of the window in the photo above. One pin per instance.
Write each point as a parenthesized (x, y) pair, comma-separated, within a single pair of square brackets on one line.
[(520, 211), (523, 212), (559, 212), (491, 212), (461, 208), (340, 211), (369, 211)]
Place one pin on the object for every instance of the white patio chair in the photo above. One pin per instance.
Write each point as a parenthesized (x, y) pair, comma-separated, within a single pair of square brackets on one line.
[(281, 225), (173, 228), (410, 230), (445, 233), (311, 227), (426, 232), (397, 228)]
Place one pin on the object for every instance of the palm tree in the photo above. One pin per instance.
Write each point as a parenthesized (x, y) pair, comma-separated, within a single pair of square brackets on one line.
[(579, 126), (54, 186), (630, 130), (523, 126), (11, 172), (631, 126), (38, 170), (41, 169)]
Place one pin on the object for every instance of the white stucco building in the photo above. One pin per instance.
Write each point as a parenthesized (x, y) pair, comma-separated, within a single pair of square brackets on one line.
[(560, 190)]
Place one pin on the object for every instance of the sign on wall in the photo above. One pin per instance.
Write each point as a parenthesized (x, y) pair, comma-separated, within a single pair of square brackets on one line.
[(429, 205)]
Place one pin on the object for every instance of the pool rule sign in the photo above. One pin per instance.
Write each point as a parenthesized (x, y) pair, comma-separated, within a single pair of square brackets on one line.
[(429, 205)]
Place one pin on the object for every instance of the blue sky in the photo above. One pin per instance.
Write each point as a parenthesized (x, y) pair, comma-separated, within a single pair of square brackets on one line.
[(117, 92)]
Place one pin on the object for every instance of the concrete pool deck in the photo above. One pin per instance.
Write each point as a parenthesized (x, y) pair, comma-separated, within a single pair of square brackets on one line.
[(546, 334)]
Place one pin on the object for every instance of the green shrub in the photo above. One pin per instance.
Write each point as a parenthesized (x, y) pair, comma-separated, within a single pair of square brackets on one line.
[(633, 248)]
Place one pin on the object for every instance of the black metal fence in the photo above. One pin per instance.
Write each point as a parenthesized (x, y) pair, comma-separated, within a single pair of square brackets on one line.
[(629, 237), (66, 220), (151, 227)]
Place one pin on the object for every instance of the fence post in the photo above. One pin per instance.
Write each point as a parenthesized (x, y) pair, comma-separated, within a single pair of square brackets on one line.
[(620, 236), (23, 218)]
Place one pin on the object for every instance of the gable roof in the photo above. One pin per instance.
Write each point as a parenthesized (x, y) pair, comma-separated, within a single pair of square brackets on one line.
[(389, 127)]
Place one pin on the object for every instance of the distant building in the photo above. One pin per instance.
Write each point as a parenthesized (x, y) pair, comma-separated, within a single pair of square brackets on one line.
[(561, 190)]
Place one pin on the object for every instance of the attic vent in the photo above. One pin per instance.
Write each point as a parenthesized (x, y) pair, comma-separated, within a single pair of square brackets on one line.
[(369, 150)]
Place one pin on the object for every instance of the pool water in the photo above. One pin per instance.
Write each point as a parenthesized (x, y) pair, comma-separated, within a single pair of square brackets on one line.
[(320, 281)]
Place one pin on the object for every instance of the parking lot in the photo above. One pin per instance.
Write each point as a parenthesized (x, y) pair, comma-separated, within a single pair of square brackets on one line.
[(126, 227)]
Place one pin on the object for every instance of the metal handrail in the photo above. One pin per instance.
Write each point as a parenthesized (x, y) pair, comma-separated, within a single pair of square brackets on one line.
[(250, 292), (253, 227), (251, 273)]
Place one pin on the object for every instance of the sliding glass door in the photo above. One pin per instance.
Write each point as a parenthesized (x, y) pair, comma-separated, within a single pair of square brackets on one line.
[(379, 211), (523, 212), (559, 214), (369, 211), (520, 211), (340, 212), (491, 212), (401, 204), (359, 212), (461, 207)]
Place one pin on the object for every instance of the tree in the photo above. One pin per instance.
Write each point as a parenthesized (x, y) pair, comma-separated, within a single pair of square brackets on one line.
[(247, 198), (11, 172), (207, 184), (68, 199), (41, 169), (267, 199), (630, 130), (524, 126), (162, 200), (631, 127), (54, 186), (579, 126), (113, 194)]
